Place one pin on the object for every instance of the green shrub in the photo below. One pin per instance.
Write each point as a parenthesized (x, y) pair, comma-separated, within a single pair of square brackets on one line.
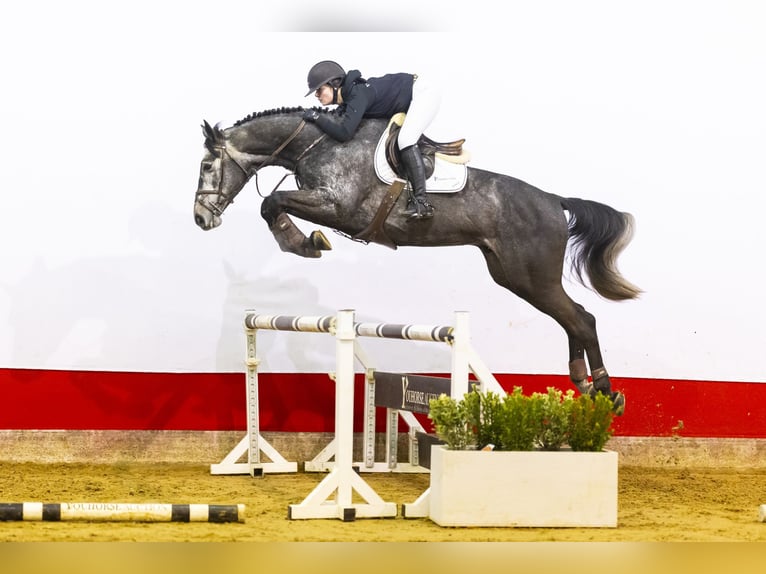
[(555, 411), (590, 425), (519, 417), (514, 421), (490, 419), (450, 422)]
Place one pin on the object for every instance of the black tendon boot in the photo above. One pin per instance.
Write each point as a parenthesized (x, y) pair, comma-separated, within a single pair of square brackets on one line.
[(418, 206)]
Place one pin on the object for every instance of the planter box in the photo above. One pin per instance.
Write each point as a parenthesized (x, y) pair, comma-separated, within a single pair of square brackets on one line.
[(513, 488)]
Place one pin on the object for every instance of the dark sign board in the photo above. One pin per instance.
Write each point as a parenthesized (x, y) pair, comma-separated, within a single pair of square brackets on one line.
[(408, 392)]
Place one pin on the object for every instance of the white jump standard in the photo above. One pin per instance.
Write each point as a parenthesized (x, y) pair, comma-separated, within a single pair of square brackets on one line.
[(343, 478)]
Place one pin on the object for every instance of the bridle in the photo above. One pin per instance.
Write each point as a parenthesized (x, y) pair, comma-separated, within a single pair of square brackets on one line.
[(223, 200)]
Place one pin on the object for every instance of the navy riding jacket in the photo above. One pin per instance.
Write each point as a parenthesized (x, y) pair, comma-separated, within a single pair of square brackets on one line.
[(381, 97)]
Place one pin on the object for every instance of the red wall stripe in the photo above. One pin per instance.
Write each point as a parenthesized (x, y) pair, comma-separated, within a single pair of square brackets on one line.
[(98, 400)]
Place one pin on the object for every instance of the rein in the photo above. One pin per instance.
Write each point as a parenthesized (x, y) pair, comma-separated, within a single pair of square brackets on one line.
[(279, 149)]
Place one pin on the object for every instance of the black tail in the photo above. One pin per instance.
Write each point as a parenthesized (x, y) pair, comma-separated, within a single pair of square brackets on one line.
[(599, 233)]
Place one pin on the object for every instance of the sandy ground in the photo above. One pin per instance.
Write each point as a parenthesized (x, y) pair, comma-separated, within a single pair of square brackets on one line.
[(655, 504)]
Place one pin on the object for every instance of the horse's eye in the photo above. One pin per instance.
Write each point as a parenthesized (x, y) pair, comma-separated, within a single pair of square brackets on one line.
[(207, 165)]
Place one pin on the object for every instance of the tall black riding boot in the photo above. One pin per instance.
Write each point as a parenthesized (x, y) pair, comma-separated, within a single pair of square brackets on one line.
[(418, 206)]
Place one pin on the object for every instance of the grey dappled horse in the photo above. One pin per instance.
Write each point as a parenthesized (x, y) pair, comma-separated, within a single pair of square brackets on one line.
[(521, 230)]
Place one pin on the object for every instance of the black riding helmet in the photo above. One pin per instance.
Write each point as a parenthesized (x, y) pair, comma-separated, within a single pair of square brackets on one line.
[(322, 73)]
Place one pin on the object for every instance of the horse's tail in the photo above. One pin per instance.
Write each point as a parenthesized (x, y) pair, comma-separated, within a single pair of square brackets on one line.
[(599, 233)]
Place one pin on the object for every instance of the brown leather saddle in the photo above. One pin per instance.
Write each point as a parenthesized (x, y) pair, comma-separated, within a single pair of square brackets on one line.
[(428, 149), (452, 151)]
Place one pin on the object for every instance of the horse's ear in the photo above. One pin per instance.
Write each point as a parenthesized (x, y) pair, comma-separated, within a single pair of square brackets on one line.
[(210, 134), (217, 133), (207, 131)]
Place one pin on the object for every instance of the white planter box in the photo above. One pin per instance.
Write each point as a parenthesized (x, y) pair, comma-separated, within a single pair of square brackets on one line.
[(513, 488)]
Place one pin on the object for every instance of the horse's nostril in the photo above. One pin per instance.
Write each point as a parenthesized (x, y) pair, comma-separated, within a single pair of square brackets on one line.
[(199, 220)]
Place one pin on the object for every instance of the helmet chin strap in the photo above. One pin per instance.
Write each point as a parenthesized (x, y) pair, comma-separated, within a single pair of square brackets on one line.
[(334, 95)]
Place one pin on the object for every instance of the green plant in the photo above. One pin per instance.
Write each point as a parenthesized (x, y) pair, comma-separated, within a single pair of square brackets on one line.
[(487, 417), (517, 422), (553, 423), (451, 423), (519, 417), (590, 422)]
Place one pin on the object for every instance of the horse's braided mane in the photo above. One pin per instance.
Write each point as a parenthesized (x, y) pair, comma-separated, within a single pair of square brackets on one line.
[(274, 112)]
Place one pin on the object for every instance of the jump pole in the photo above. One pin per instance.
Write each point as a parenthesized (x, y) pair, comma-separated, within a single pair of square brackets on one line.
[(120, 512)]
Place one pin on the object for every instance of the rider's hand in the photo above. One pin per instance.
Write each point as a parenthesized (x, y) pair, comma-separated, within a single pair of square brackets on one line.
[(310, 115)]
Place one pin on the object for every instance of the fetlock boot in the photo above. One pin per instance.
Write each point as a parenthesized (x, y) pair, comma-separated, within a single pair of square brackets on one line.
[(291, 239), (418, 206)]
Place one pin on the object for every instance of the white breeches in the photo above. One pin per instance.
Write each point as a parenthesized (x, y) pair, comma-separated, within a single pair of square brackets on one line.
[(426, 100)]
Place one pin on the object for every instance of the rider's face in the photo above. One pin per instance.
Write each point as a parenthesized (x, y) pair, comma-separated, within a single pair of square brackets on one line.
[(324, 94)]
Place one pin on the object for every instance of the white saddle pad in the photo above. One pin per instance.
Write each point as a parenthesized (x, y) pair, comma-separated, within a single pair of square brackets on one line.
[(447, 177)]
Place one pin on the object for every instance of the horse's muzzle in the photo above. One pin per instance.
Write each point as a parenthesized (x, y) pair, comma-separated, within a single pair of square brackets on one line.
[(205, 219)]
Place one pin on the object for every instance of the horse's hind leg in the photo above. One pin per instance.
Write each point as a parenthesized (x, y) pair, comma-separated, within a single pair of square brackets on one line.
[(579, 346), (545, 292), (590, 346), (580, 327)]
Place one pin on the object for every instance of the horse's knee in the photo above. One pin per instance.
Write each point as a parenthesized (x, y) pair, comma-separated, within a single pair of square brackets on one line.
[(270, 211)]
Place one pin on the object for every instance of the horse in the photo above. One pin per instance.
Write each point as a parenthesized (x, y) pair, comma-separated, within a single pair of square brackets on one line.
[(524, 233)]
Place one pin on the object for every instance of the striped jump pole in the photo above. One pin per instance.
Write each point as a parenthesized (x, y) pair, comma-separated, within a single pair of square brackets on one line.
[(120, 512), (327, 323), (290, 323)]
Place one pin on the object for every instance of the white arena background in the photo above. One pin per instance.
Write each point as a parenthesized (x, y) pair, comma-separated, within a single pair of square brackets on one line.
[(655, 108)]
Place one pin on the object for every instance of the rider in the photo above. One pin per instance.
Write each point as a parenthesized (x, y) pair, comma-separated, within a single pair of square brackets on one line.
[(381, 97)]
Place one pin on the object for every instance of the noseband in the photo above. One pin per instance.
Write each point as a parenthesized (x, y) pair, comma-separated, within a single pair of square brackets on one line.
[(222, 200)]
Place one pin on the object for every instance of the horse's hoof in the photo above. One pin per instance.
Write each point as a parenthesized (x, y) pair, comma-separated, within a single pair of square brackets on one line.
[(319, 241), (618, 402)]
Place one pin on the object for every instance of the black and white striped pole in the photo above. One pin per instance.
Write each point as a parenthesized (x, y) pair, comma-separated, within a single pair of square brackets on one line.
[(120, 512)]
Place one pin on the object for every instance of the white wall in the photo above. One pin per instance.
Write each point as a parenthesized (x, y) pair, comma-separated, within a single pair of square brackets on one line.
[(656, 108)]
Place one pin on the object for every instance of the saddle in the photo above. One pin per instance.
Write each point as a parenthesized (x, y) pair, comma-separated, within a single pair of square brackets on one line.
[(446, 172), (450, 151), (445, 163)]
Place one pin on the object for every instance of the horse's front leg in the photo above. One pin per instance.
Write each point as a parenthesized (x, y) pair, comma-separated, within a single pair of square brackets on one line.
[(289, 237)]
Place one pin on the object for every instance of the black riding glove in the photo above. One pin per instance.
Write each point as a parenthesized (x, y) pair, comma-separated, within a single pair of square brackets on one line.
[(310, 115)]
